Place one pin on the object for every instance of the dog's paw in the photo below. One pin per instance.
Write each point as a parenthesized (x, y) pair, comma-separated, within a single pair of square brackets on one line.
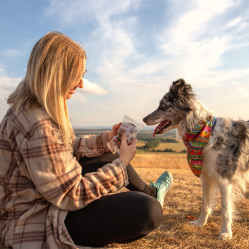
[(225, 236), (197, 223)]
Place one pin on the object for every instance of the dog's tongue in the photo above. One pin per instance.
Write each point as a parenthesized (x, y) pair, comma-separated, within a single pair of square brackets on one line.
[(158, 128), (154, 133)]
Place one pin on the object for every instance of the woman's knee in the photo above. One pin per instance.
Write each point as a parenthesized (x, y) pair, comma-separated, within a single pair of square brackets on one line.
[(151, 212), (155, 212)]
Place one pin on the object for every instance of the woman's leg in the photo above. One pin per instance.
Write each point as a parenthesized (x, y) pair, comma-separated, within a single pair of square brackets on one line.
[(116, 218), (135, 182)]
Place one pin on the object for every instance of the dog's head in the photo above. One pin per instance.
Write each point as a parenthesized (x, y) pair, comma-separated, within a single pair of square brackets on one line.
[(173, 108)]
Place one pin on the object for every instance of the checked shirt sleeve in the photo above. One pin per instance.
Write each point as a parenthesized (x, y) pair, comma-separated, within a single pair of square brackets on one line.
[(90, 145), (56, 173)]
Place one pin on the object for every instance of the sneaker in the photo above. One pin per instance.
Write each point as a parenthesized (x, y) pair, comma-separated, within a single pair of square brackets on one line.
[(162, 185)]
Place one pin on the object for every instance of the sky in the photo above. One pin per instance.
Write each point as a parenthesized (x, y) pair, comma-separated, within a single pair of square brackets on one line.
[(135, 50)]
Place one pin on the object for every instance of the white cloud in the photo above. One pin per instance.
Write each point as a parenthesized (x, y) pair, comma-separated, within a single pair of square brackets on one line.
[(140, 84), (7, 84), (188, 39), (11, 53), (75, 11), (111, 40), (234, 22), (149, 66), (191, 44), (93, 88), (77, 98), (197, 37)]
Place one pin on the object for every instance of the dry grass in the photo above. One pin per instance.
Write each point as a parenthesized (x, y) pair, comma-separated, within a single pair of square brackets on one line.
[(160, 160), (140, 143), (183, 200), (174, 146)]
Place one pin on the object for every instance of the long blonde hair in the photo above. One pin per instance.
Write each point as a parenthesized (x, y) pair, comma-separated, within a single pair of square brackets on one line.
[(55, 66)]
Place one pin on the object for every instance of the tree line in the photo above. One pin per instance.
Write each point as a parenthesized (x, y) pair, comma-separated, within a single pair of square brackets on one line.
[(152, 144)]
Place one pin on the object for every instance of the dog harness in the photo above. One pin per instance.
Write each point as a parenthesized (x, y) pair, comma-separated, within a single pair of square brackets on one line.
[(195, 141)]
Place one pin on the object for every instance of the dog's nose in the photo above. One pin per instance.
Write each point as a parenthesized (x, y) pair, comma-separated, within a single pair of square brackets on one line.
[(144, 119)]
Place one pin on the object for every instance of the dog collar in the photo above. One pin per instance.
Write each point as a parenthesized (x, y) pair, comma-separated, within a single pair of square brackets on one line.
[(195, 141)]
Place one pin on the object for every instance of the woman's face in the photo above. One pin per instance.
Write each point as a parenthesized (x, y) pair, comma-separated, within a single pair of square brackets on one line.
[(80, 84)]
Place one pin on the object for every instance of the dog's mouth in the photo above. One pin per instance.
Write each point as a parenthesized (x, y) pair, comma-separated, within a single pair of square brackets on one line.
[(159, 129)]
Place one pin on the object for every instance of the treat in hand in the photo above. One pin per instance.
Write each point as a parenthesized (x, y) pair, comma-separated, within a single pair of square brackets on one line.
[(130, 127)]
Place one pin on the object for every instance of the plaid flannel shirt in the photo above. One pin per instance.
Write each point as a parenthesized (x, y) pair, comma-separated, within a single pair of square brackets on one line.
[(40, 180)]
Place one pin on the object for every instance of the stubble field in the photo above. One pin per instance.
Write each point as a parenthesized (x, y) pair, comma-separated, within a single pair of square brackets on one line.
[(183, 202)]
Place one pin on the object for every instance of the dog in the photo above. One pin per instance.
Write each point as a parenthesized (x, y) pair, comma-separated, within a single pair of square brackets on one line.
[(223, 158)]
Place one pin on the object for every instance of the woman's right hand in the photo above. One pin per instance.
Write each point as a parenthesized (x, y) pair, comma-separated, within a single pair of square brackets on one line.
[(127, 152)]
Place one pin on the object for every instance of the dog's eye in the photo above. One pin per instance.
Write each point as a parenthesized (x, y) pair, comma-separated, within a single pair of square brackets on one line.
[(163, 106)]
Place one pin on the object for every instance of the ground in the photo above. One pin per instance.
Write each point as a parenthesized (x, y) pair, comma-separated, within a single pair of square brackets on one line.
[(183, 203)]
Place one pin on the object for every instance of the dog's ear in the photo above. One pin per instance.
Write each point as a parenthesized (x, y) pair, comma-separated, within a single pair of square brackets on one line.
[(180, 87)]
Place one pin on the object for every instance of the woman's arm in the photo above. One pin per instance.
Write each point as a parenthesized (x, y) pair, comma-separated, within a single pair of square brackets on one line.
[(92, 146), (57, 174)]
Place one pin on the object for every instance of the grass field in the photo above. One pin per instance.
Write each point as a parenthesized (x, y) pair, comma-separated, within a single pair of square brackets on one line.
[(174, 146), (183, 200), (177, 147), (160, 160)]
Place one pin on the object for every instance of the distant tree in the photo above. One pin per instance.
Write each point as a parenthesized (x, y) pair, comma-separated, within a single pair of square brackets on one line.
[(183, 151), (168, 140), (151, 145), (168, 150), (162, 138)]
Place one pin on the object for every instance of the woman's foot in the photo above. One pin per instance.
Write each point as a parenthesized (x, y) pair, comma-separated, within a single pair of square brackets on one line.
[(162, 186)]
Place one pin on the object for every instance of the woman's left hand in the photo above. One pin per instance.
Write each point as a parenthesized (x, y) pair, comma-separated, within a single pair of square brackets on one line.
[(113, 132)]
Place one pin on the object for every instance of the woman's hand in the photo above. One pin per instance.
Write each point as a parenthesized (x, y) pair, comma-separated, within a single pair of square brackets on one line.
[(113, 132), (127, 152)]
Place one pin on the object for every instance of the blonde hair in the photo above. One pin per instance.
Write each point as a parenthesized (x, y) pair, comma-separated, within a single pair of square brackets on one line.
[(55, 66)]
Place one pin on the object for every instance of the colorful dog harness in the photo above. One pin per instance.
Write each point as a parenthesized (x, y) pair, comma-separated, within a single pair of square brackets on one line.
[(195, 141)]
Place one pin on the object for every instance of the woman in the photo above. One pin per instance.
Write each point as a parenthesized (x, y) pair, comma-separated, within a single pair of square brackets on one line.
[(53, 186)]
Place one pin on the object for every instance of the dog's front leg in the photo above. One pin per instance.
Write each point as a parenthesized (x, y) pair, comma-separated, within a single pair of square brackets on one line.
[(208, 194), (226, 211)]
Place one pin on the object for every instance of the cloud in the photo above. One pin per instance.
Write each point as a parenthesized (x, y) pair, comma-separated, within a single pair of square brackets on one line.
[(234, 22), (77, 98), (187, 37), (93, 88), (140, 84), (149, 66), (192, 41), (198, 37), (75, 11), (11, 53), (111, 40), (7, 84)]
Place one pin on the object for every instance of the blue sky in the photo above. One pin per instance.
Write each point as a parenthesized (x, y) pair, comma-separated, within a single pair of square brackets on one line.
[(135, 50)]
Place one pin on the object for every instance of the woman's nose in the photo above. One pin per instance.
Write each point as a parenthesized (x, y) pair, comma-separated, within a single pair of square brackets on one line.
[(81, 84)]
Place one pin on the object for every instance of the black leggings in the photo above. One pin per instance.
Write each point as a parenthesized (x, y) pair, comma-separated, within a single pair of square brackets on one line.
[(115, 218)]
